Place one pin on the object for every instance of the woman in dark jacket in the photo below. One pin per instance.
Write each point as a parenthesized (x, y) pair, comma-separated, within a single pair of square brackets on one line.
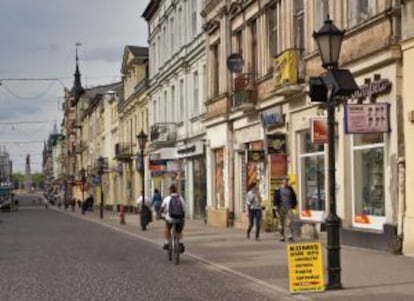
[(156, 202)]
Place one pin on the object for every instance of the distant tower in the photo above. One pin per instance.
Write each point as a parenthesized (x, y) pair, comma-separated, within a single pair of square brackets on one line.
[(28, 175)]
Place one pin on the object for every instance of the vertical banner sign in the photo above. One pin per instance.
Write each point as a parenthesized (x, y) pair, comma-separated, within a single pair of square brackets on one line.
[(305, 267)]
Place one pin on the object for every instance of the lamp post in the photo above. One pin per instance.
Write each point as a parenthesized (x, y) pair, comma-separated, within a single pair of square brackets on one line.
[(83, 180), (142, 141), (335, 82), (100, 173)]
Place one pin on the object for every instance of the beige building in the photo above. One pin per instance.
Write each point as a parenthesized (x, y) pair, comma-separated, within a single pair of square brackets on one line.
[(132, 110), (261, 125), (406, 218)]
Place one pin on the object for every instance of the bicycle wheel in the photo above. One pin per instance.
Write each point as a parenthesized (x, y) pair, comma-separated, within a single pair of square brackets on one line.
[(176, 248), (170, 250)]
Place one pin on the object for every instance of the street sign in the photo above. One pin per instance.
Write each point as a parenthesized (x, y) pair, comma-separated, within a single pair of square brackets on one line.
[(235, 63), (305, 267)]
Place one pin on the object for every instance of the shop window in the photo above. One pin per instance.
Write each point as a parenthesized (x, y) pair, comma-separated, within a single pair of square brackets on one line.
[(219, 178), (312, 174), (368, 157)]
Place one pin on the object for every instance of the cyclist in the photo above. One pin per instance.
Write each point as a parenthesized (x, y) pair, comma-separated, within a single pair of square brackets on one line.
[(169, 221)]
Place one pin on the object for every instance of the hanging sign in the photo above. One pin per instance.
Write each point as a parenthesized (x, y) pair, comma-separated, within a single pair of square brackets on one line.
[(319, 130), (305, 267), (367, 118)]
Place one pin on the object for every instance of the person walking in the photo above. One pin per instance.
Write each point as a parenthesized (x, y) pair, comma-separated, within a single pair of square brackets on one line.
[(254, 209), (148, 217), (284, 202), (156, 202)]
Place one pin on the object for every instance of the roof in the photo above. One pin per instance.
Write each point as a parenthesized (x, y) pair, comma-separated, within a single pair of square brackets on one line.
[(138, 50), (151, 9)]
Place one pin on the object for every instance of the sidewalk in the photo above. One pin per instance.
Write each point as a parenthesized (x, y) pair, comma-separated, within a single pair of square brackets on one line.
[(366, 274)]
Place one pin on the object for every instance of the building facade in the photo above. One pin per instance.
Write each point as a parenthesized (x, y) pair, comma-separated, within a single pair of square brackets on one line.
[(177, 100), (261, 125), (406, 216)]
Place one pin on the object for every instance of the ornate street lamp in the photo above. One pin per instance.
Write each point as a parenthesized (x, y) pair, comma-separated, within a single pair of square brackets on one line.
[(336, 82), (101, 163), (142, 141), (83, 180), (329, 40)]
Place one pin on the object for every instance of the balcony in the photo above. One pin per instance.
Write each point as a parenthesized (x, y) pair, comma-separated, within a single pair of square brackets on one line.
[(244, 94), (124, 151), (80, 146), (163, 134)]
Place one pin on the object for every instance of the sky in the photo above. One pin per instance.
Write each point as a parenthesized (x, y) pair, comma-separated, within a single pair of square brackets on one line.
[(37, 60)]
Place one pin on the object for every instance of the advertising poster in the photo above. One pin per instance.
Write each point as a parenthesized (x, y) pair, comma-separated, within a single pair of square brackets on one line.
[(367, 118), (305, 267), (319, 130)]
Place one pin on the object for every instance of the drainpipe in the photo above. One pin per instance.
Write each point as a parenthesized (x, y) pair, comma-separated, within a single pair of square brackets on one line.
[(401, 204)]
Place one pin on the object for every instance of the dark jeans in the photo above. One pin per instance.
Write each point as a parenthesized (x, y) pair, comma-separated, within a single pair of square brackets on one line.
[(254, 215)]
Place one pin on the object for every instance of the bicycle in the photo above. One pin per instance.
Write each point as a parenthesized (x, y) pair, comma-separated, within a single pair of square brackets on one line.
[(174, 246)]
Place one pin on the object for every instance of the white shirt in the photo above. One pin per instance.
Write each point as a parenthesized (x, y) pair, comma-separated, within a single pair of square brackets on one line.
[(164, 206), (139, 201)]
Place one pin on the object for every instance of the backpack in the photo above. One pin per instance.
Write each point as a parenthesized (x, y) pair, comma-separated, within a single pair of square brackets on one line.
[(175, 208)]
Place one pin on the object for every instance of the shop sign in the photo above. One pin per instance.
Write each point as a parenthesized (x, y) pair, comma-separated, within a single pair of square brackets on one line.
[(319, 130), (276, 144), (278, 165), (172, 166), (305, 267), (367, 118), (379, 86), (273, 117), (256, 156)]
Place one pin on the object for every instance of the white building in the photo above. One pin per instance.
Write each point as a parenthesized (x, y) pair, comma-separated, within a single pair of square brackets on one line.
[(177, 99)]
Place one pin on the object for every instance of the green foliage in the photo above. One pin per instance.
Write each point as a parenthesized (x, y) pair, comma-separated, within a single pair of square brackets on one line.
[(18, 179)]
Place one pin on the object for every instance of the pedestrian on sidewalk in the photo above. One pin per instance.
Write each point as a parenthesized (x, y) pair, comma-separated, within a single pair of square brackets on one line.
[(156, 202), (284, 202), (148, 207), (254, 209)]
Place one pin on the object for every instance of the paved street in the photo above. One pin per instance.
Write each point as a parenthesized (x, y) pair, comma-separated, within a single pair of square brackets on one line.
[(86, 258), (47, 255)]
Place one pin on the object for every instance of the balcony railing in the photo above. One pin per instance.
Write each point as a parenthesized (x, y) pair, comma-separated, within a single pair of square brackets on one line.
[(163, 133), (244, 91), (124, 151), (80, 146)]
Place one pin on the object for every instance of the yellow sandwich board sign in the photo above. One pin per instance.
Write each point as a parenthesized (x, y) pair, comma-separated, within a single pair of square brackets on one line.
[(305, 267)]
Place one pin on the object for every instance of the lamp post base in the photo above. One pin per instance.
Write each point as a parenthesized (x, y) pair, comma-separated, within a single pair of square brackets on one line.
[(144, 218), (333, 247)]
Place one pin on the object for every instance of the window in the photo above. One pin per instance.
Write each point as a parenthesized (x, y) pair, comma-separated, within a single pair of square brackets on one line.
[(180, 27), (300, 27), (359, 11), (368, 178), (204, 98), (172, 41), (165, 115), (219, 178), (272, 23), (253, 47), (238, 40), (312, 174), (216, 68), (173, 104), (196, 106), (194, 17), (154, 109), (321, 13), (181, 107)]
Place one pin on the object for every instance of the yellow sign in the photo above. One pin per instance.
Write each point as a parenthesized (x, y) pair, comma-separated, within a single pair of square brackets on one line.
[(305, 267), (286, 68)]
